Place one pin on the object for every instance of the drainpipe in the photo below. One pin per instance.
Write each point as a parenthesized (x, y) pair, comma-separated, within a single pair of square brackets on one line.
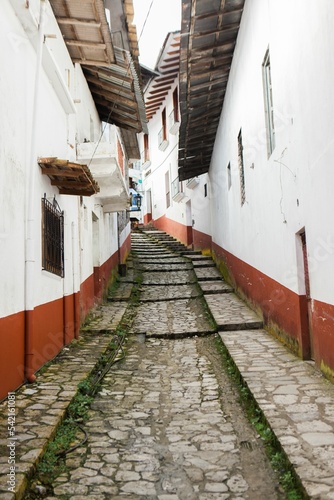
[(74, 271), (30, 199)]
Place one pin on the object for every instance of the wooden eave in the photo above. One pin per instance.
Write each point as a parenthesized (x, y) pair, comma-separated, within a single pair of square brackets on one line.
[(87, 34), (208, 36), (120, 89), (85, 29), (70, 178), (168, 68)]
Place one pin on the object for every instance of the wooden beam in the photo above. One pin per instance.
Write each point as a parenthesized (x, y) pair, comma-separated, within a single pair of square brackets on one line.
[(154, 97), (61, 172), (160, 89), (78, 22), (70, 184), (82, 43), (90, 62), (79, 192)]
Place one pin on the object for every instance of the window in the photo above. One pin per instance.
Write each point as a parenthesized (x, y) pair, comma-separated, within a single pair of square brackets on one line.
[(268, 103), (167, 187), (229, 176), (241, 169), (164, 125), (205, 190), (176, 105), (52, 238), (174, 117), (146, 149), (162, 136)]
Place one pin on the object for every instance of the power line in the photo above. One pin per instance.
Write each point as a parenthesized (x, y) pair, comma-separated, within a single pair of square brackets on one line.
[(146, 18), (113, 106)]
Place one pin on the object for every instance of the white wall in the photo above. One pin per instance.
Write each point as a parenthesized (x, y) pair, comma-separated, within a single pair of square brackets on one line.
[(291, 189), (66, 113)]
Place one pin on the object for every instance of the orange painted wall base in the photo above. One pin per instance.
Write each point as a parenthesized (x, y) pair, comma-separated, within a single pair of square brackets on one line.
[(55, 324), (283, 311), (201, 241), (175, 229)]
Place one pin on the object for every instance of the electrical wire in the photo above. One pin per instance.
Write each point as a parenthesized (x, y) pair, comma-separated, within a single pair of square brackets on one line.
[(146, 18), (114, 104)]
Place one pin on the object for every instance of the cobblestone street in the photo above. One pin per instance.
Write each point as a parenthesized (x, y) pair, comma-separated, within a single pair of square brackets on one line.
[(166, 422), (159, 427)]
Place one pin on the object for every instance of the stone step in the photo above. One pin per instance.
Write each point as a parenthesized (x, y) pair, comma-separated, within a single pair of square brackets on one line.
[(204, 263), (231, 313), (207, 274), (215, 287)]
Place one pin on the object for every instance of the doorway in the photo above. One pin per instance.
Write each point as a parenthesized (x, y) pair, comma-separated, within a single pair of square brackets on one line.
[(308, 307), (148, 215), (189, 222)]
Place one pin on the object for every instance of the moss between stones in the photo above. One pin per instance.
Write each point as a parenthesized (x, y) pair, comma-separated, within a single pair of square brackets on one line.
[(287, 476)]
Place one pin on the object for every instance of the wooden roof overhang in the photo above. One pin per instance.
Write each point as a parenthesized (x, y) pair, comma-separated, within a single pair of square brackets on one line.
[(168, 70), (70, 178), (117, 92), (113, 75), (208, 36)]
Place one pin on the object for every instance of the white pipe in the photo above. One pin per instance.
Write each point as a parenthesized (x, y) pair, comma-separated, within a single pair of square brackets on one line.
[(30, 205), (74, 280)]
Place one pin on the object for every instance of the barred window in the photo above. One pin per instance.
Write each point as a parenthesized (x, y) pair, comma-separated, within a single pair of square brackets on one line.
[(52, 238)]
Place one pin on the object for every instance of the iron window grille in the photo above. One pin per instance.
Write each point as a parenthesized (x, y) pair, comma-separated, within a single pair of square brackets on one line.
[(52, 238)]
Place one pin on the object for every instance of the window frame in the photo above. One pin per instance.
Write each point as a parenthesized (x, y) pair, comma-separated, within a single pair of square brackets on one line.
[(167, 189), (52, 238), (268, 103), (241, 169)]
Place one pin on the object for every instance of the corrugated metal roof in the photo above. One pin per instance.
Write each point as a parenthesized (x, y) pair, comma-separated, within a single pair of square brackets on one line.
[(208, 36)]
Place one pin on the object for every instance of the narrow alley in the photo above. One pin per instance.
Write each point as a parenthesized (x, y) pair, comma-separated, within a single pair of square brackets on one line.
[(166, 422), (159, 427)]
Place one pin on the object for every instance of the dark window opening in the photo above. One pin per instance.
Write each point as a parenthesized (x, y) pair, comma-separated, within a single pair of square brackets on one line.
[(164, 125), (229, 176), (52, 238), (176, 105), (146, 148)]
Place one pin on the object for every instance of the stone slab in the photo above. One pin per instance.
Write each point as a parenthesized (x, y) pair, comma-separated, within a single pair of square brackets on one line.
[(171, 319), (206, 274), (168, 292), (297, 402), (171, 278), (215, 287), (231, 313)]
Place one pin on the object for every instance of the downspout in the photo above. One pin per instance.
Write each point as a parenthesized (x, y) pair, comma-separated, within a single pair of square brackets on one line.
[(30, 199), (75, 323)]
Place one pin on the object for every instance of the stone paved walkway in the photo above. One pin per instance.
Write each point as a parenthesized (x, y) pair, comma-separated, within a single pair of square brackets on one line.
[(159, 428)]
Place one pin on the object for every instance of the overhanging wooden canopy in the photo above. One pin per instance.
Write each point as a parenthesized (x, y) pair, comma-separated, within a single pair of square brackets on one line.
[(70, 178), (112, 71), (168, 70), (117, 92), (208, 36), (85, 30)]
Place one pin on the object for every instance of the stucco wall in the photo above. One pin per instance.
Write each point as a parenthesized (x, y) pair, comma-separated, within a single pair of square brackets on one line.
[(289, 191)]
